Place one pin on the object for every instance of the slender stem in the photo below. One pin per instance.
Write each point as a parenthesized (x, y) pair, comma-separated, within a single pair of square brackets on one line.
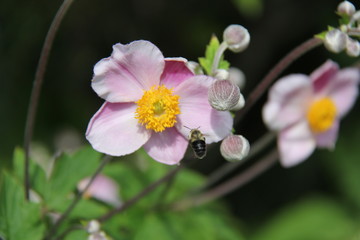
[(78, 197), (220, 51), (275, 72), (230, 185), (227, 168), (35, 93), (142, 194)]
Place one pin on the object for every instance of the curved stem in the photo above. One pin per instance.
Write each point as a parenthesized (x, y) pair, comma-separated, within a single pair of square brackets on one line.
[(275, 72), (220, 51), (227, 168), (142, 194), (35, 93), (78, 197), (230, 185)]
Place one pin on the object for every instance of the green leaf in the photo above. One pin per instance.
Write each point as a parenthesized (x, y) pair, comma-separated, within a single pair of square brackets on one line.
[(311, 219), (19, 219), (38, 178), (207, 61), (68, 171)]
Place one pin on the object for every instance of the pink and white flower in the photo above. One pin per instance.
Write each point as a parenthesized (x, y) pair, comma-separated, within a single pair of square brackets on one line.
[(306, 110), (102, 188), (148, 101)]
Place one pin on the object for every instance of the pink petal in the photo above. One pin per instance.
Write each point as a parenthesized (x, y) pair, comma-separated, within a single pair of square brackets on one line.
[(129, 70), (115, 131), (343, 89), (296, 143), (102, 188), (328, 139), (322, 75), (175, 72), (197, 112), (288, 101), (167, 147)]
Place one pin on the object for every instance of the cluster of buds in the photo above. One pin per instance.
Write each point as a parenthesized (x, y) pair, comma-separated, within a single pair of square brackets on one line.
[(224, 94), (339, 39)]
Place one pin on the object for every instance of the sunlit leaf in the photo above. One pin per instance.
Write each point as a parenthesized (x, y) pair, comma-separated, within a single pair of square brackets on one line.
[(19, 219)]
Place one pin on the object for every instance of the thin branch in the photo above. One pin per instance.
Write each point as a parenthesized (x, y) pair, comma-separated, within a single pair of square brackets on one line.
[(78, 197), (142, 194), (35, 93), (227, 168), (234, 183), (275, 72)]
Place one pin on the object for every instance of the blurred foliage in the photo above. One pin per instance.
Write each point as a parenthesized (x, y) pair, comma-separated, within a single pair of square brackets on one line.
[(152, 217)]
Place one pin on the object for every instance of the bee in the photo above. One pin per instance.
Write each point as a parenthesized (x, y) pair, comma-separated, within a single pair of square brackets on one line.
[(197, 142)]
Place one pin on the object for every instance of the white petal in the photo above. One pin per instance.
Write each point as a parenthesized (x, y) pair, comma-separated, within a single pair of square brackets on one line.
[(167, 147), (296, 143), (115, 131), (288, 101), (131, 69)]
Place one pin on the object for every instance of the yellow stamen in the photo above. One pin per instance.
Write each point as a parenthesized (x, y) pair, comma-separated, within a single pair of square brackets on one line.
[(321, 115), (157, 109)]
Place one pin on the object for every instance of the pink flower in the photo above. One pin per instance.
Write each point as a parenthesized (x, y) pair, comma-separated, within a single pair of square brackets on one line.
[(306, 110), (148, 101), (102, 188)]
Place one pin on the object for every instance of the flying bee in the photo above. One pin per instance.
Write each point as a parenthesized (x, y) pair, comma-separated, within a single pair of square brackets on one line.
[(197, 142)]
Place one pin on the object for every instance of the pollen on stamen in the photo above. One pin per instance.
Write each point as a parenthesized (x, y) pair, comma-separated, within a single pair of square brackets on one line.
[(321, 115), (157, 108)]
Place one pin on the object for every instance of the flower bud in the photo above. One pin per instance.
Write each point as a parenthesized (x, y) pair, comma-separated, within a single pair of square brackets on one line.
[(221, 74), (335, 40), (93, 226), (356, 17), (223, 95), (346, 8), (237, 77), (239, 105), (234, 148), (352, 48), (237, 37)]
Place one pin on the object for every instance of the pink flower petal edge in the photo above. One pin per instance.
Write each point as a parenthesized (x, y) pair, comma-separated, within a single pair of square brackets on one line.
[(288, 99), (167, 147), (296, 144), (197, 112), (129, 70), (115, 131)]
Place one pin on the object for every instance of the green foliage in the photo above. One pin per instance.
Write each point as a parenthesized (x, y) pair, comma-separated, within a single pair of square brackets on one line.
[(207, 61), (344, 165), (310, 219), (19, 219), (151, 217), (194, 224)]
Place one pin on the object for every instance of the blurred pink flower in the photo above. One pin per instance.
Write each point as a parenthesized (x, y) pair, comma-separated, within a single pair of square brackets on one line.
[(306, 110), (148, 100), (102, 188)]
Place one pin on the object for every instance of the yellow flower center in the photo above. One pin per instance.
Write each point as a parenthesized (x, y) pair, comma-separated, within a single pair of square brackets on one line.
[(157, 109), (321, 115)]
